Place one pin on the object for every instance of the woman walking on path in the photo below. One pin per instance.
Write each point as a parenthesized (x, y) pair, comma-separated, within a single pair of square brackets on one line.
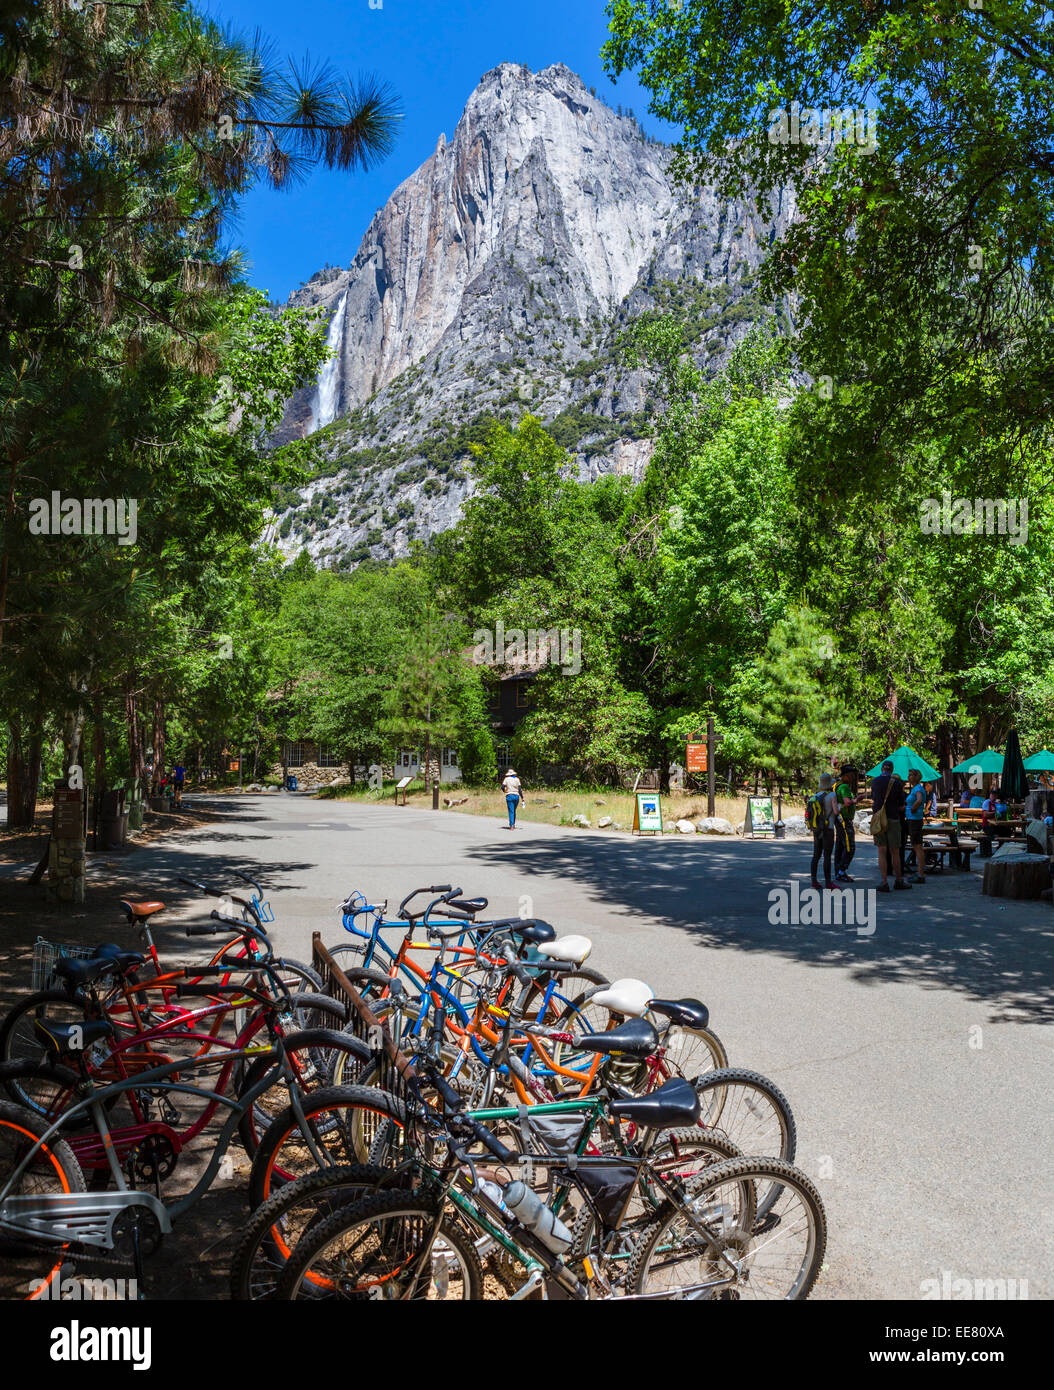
[(513, 795)]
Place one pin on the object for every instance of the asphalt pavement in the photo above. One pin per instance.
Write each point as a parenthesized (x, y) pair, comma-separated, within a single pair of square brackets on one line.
[(915, 1047)]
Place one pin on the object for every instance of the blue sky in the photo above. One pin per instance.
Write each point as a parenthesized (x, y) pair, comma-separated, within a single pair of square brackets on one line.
[(433, 55)]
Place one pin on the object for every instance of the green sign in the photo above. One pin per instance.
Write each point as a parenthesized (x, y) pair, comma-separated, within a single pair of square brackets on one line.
[(760, 819), (647, 815)]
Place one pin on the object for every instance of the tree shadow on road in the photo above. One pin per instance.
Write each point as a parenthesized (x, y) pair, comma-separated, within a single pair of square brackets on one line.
[(944, 935)]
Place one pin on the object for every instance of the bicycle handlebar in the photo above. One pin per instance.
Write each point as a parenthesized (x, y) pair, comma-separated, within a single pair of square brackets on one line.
[(514, 965)]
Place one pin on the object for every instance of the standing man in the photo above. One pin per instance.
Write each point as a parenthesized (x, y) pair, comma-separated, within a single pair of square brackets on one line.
[(513, 795), (915, 813), (887, 790), (821, 812), (844, 828), (179, 775)]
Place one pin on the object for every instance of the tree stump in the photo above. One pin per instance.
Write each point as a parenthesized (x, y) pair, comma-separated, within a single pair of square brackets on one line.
[(1016, 876)]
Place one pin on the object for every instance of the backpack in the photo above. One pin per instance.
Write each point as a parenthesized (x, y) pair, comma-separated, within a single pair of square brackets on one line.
[(815, 813)]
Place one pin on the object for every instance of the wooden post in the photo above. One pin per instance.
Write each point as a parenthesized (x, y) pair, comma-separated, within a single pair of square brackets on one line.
[(711, 744)]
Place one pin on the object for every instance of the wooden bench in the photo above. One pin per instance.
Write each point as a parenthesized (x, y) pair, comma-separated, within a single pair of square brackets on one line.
[(963, 851), (957, 855)]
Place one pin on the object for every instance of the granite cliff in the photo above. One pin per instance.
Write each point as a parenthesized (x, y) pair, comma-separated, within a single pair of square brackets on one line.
[(495, 280)]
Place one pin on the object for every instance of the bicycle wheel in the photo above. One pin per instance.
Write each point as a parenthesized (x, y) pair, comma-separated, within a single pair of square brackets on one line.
[(715, 1246), (27, 1272), (20, 1042), (692, 1052), (342, 1122), (312, 1055), (567, 997), (382, 1247), (748, 1109), (298, 1207)]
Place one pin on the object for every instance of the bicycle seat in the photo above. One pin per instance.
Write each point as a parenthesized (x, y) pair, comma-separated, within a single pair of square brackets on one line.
[(470, 905), (60, 1039), (531, 930), (572, 948), (689, 1013), (669, 1106), (124, 960), (634, 1038), (139, 912), (83, 972), (629, 997)]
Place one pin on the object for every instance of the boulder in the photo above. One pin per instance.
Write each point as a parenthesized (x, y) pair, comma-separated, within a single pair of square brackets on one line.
[(580, 820), (599, 803), (685, 827), (604, 822), (796, 825), (715, 825)]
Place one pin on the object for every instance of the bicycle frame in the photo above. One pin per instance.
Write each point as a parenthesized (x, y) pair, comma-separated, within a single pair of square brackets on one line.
[(46, 1214)]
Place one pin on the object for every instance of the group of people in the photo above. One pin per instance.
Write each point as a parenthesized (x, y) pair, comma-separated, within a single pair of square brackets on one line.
[(831, 810), (176, 780), (992, 805)]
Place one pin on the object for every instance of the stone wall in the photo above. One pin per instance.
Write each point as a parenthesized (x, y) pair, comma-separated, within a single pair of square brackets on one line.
[(66, 871)]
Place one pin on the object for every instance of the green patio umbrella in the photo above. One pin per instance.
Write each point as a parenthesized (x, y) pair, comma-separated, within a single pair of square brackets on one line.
[(1014, 782), (903, 760), (1040, 762), (990, 761)]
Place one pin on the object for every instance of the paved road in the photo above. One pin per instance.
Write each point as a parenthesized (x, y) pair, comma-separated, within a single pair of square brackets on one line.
[(918, 1059)]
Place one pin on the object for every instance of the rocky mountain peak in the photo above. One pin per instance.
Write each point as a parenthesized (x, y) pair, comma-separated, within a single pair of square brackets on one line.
[(495, 279)]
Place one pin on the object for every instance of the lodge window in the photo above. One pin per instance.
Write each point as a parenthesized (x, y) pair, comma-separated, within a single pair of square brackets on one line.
[(294, 755), (521, 694), (407, 757), (450, 757), (327, 757)]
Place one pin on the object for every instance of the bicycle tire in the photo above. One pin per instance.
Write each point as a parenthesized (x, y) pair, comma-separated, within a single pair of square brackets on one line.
[(306, 1272), (280, 1157), (274, 1228), (322, 1045), (56, 1172), (748, 1229), (753, 1121)]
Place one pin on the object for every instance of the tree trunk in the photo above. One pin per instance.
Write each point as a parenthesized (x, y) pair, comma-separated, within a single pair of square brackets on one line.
[(23, 774), (1022, 876), (159, 740), (99, 732), (136, 761)]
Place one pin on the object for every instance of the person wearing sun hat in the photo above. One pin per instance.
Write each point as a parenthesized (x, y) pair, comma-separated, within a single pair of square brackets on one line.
[(513, 794)]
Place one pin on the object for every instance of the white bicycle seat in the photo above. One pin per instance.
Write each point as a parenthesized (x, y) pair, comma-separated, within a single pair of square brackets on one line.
[(629, 997), (571, 948)]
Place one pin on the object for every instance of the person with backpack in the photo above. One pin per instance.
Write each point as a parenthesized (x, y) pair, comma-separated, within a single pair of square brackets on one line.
[(915, 814), (820, 814), (844, 828), (887, 803)]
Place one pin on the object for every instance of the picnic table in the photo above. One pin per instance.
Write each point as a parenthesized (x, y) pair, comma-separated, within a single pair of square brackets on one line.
[(991, 831), (941, 839)]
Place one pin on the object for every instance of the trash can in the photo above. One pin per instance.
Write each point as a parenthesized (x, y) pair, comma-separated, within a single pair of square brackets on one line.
[(781, 830), (290, 783)]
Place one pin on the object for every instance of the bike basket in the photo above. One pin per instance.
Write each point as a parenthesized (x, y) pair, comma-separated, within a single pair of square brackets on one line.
[(47, 954), (554, 1134)]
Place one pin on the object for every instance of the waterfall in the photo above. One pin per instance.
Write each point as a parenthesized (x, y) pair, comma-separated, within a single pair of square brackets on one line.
[(325, 404)]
